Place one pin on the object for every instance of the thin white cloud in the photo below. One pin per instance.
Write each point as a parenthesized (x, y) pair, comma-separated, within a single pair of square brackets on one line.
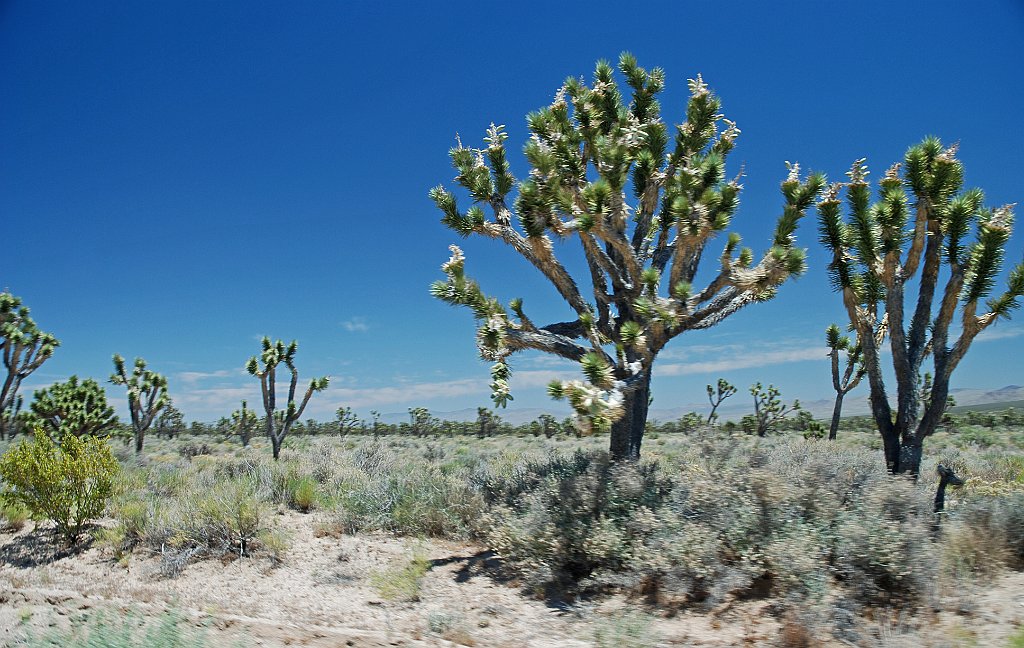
[(993, 333), (193, 377), (745, 359), (408, 393), (685, 351), (216, 401), (356, 325), (533, 378)]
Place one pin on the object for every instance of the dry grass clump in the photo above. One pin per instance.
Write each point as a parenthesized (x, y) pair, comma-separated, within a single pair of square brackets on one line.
[(189, 511), (985, 534), (402, 582)]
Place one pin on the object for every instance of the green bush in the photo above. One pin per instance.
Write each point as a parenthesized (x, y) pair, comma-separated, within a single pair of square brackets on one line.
[(130, 631), (12, 516), (69, 484), (304, 495), (402, 582)]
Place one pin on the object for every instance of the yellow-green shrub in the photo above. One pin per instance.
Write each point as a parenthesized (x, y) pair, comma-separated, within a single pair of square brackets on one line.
[(69, 484)]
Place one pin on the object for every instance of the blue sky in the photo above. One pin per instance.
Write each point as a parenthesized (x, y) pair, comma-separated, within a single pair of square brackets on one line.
[(179, 179)]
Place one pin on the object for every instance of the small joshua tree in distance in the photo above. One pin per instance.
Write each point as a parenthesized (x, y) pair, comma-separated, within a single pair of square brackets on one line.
[(265, 367), (147, 395), (845, 381), (769, 408), (347, 421), (244, 422), (718, 394)]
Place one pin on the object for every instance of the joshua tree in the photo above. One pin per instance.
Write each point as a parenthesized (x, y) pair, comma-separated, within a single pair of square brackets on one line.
[(147, 395), (72, 407), (548, 425), (716, 396), (244, 422), (421, 423), (644, 202), (265, 368), (851, 375), (24, 348), (171, 421), (769, 408), (946, 478), (346, 420), (487, 423), (919, 229)]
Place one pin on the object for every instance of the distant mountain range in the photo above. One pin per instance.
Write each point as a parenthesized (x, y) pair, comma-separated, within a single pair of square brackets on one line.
[(733, 409)]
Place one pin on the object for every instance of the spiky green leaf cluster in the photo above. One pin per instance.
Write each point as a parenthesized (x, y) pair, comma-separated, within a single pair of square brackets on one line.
[(875, 232), (74, 407), (23, 349)]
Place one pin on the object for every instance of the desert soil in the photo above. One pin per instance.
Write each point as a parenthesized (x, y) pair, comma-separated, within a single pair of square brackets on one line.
[(323, 594)]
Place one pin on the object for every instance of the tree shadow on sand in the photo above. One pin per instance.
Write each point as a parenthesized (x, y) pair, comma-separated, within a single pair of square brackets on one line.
[(41, 546), (487, 564), (483, 563)]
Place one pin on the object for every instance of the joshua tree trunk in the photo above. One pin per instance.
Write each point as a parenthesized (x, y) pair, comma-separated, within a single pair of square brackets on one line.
[(837, 411), (628, 432)]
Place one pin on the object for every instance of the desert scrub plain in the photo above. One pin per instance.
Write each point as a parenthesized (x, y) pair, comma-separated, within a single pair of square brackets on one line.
[(715, 538)]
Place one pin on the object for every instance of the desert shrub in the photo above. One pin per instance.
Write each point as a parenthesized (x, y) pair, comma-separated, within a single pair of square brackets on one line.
[(402, 582), (190, 450), (101, 631), (414, 498), (13, 516), (729, 517), (133, 522), (506, 480), (207, 515), (582, 518), (274, 542), (69, 484), (227, 521), (884, 549), (451, 627), (625, 630), (986, 534), (304, 495)]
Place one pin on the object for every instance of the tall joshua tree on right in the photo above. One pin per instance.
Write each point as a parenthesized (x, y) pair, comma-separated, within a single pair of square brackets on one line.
[(923, 228)]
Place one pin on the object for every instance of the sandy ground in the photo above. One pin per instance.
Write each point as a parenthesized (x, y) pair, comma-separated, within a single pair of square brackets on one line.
[(323, 594)]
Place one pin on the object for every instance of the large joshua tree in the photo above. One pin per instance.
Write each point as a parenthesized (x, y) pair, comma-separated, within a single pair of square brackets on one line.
[(147, 395), (265, 367), (24, 348), (643, 200), (924, 250)]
